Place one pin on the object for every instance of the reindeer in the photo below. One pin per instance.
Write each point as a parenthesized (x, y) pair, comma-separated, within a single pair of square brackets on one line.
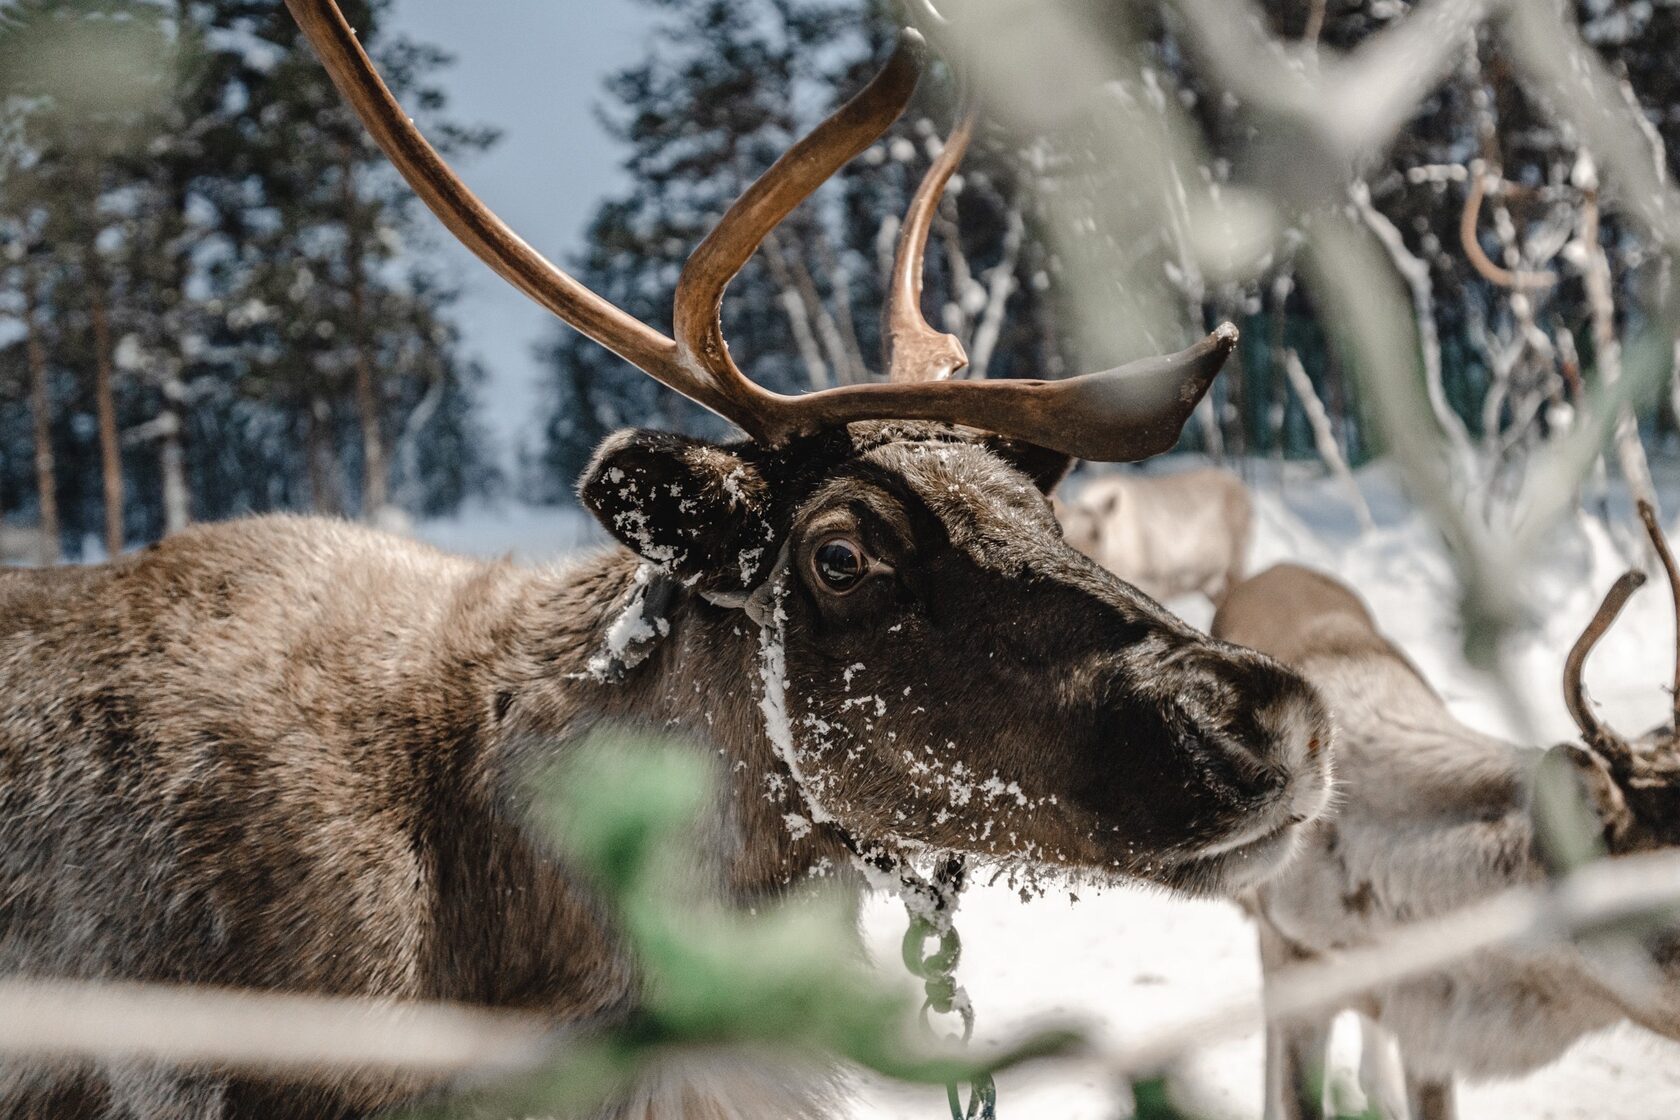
[(1172, 535), (1433, 815), (22, 544), (284, 753)]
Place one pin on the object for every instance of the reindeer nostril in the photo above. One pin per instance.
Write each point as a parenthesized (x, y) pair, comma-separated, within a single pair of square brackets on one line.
[(1298, 818), (1232, 766)]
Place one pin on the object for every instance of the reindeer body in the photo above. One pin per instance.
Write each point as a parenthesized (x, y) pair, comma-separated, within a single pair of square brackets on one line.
[(1168, 535), (1431, 816), (269, 755), (286, 753), (282, 754)]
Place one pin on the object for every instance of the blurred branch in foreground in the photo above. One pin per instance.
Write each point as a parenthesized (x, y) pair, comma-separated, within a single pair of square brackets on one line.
[(181, 1025), (789, 982)]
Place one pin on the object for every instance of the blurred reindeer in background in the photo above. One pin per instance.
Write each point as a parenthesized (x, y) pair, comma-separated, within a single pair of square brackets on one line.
[(1179, 534), (24, 544), (1434, 816)]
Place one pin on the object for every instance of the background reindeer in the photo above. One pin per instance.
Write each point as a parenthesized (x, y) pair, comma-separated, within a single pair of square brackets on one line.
[(22, 544), (1431, 816), (284, 753), (1170, 535)]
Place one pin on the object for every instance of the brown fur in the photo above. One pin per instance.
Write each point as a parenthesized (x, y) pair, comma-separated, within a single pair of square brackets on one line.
[(286, 753), (1431, 816)]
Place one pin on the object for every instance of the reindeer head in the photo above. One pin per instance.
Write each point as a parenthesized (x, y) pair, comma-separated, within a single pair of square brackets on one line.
[(1633, 784), (938, 667)]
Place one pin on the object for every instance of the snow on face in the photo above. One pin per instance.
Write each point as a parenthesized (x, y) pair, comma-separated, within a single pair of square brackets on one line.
[(836, 732), (631, 636)]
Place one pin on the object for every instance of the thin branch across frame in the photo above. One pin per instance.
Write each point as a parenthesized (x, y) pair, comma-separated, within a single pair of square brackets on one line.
[(265, 1031)]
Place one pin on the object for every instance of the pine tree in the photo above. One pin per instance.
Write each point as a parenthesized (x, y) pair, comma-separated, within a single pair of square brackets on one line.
[(334, 242), (228, 273), (83, 79)]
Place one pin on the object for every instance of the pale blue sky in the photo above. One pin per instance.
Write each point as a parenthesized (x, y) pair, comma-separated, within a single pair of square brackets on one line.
[(532, 68)]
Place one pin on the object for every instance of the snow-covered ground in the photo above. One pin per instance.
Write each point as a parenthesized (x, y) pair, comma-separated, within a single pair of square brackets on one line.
[(1128, 961)]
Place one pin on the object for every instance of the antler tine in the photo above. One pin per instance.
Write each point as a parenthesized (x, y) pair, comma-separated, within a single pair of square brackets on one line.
[(1469, 222), (1648, 514), (1595, 733), (914, 350), (461, 211), (1117, 416), (737, 236)]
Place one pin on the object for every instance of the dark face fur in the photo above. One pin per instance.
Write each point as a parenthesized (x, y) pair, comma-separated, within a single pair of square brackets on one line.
[(956, 676)]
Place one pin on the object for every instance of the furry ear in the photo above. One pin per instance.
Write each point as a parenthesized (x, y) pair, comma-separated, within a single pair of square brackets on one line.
[(695, 510), (1045, 467)]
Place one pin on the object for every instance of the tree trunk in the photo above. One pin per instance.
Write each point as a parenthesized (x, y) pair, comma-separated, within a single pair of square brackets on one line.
[(325, 495), (171, 418), (46, 484), (1674, 385), (110, 450), (1277, 404), (172, 455), (375, 475)]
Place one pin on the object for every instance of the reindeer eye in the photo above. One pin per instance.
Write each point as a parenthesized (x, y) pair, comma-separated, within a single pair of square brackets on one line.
[(840, 564)]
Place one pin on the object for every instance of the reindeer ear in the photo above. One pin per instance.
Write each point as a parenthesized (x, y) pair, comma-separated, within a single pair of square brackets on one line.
[(1045, 467), (693, 509)]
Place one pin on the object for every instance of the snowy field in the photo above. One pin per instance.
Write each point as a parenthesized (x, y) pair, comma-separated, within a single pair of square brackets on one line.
[(1128, 961)]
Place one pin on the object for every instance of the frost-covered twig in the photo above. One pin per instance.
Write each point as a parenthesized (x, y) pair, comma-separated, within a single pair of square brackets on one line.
[(1579, 88), (855, 370), (267, 1030), (1356, 102), (1323, 437), (798, 315), (1000, 285), (1415, 272), (1586, 252)]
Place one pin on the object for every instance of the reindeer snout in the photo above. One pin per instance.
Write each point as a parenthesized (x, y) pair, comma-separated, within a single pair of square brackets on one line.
[(1276, 740), (1297, 736), (1268, 767), (1305, 737)]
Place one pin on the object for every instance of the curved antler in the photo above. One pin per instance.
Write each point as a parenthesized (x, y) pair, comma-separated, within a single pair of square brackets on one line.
[(790, 180), (914, 350), (472, 223), (1122, 414), (1469, 237), (1648, 514), (1596, 734)]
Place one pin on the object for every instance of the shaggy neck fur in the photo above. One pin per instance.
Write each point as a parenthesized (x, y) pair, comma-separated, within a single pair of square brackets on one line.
[(303, 745), (701, 682)]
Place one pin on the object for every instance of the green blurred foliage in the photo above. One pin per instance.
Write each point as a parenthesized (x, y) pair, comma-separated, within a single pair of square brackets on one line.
[(788, 978)]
